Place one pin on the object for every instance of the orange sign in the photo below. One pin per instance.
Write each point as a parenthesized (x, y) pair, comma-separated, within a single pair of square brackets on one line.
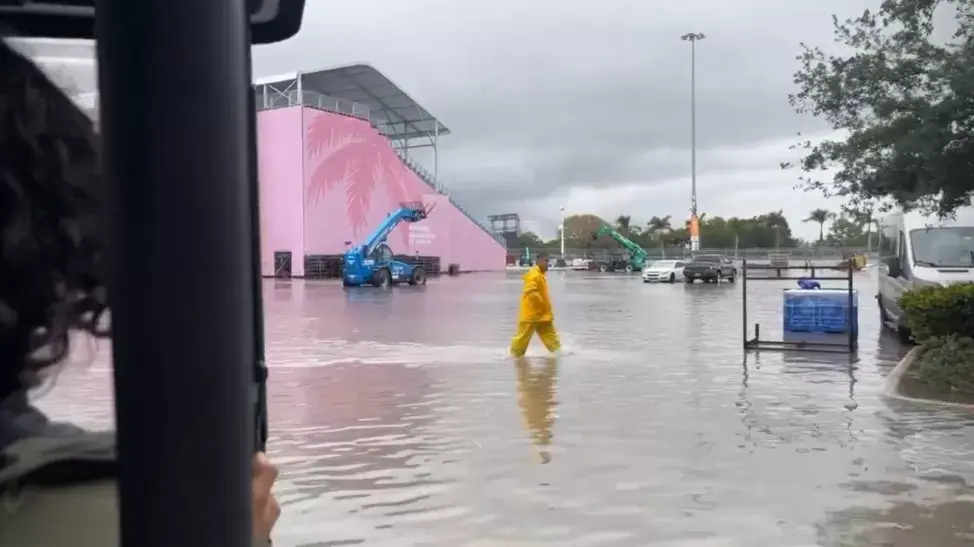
[(694, 226)]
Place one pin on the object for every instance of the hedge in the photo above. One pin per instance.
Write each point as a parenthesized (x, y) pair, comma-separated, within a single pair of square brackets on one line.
[(937, 311), (947, 364)]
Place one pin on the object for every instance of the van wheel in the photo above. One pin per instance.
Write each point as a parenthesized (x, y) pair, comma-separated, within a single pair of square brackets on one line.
[(904, 335), (883, 316)]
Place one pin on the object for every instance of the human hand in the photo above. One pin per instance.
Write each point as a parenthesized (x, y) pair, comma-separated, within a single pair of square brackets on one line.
[(266, 510)]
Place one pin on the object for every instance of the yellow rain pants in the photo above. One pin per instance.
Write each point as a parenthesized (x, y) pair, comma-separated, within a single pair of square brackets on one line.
[(546, 332)]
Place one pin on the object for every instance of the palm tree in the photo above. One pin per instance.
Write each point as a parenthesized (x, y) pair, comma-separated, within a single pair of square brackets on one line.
[(865, 218), (657, 225), (821, 216), (622, 224)]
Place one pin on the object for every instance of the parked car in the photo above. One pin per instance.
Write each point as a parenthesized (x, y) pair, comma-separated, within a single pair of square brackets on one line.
[(710, 269), (664, 271)]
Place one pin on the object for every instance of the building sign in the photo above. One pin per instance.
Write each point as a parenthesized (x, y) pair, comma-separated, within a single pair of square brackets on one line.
[(420, 235)]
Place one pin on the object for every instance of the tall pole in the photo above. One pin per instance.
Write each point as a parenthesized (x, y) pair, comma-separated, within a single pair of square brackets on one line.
[(693, 37), (436, 157), (562, 232)]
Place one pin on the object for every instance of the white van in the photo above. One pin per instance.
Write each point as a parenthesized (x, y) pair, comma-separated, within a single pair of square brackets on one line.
[(917, 250)]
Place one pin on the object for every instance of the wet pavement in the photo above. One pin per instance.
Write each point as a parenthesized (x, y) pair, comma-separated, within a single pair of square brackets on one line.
[(398, 420)]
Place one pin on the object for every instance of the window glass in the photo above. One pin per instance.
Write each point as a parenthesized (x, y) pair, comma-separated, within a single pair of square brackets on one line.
[(887, 242), (716, 259), (943, 247)]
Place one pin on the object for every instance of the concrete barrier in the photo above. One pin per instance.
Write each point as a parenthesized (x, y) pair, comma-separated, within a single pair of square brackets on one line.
[(892, 386)]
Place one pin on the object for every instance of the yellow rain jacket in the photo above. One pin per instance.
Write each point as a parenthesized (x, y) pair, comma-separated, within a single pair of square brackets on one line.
[(535, 301)]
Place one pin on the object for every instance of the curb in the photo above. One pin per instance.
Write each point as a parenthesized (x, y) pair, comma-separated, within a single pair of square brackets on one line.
[(891, 388)]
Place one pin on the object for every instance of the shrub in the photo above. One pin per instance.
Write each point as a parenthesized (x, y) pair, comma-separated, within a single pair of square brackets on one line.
[(940, 311), (947, 364)]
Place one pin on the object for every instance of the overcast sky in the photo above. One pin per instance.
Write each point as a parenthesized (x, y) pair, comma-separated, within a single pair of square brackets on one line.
[(587, 104)]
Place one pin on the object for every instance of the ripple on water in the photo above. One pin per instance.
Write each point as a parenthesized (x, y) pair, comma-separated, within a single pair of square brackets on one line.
[(398, 420)]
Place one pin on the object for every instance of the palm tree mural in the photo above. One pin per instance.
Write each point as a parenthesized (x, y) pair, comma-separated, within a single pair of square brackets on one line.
[(821, 216), (345, 157)]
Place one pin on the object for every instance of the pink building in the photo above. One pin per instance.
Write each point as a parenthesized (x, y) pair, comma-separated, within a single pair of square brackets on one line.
[(329, 174)]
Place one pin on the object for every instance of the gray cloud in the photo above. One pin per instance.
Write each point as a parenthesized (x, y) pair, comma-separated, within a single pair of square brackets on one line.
[(548, 97), (576, 102)]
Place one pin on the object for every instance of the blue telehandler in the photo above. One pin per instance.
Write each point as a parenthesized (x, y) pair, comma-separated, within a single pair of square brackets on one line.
[(372, 262)]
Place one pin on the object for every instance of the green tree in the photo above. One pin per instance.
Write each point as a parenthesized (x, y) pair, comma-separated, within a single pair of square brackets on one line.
[(530, 240), (821, 216), (866, 220), (846, 231), (769, 230), (579, 230), (904, 102)]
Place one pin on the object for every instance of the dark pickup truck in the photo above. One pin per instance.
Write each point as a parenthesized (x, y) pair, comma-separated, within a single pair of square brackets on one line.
[(709, 269)]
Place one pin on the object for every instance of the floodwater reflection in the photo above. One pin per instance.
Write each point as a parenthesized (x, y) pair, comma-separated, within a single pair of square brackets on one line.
[(536, 396), (398, 420)]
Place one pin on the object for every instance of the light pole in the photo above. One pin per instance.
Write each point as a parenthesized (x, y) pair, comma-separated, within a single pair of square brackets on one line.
[(562, 232), (693, 37)]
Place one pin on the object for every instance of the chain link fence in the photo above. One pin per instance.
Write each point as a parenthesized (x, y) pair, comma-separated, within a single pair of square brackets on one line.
[(674, 252)]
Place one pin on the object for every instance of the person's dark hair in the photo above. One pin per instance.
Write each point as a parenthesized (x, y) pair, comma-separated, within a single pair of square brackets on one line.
[(51, 211)]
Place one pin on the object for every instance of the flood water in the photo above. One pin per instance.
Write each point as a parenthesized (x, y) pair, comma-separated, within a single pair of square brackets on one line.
[(398, 420)]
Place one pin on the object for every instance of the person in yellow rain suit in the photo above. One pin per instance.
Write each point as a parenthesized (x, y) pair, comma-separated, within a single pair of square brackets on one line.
[(536, 396), (535, 315)]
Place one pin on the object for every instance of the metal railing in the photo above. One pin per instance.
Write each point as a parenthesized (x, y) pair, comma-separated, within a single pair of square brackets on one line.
[(269, 99), (419, 170), (497, 237), (427, 177)]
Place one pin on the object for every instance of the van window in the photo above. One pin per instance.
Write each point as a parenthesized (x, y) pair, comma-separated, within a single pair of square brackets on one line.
[(887, 242), (943, 247)]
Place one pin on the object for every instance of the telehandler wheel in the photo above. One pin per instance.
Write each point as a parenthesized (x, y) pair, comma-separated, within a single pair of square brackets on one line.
[(418, 277), (381, 279)]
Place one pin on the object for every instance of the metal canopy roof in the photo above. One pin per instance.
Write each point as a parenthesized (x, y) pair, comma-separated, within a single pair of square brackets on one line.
[(393, 111)]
